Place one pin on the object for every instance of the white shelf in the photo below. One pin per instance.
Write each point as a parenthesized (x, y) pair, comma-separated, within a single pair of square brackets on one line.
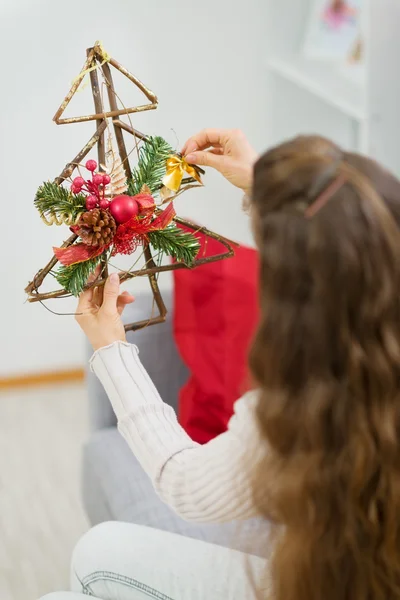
[(325, 81)]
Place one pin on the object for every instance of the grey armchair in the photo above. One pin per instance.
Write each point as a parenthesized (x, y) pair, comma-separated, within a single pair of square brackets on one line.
[(114, 485)]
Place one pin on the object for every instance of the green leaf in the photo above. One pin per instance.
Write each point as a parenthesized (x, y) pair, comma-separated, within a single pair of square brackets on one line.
[(175, 242), (74, 277), (151, 166), (55, 199)]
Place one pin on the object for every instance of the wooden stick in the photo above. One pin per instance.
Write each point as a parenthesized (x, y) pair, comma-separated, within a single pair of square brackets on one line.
[(215, 236), (71, 166), (99, 108), (74, 87), (129, 129), (118, 133), (146, 91), (94, 53), (156, 293), (40, 275), (145, 323), (154, 284), (187, 187), (176, 266), (108, 114), (38, 297), (154, 270), (101, 150)]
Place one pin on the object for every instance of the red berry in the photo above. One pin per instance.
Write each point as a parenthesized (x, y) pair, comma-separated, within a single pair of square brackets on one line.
[(98, 179), (75, 189), (91, 165), (106, 179), (91, 202), (104, 204), (79, 182)]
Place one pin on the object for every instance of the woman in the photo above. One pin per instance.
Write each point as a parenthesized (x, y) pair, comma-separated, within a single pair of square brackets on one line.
[(317, 447)]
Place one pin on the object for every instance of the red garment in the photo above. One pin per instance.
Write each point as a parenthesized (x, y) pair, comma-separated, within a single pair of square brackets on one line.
[(215, 317)]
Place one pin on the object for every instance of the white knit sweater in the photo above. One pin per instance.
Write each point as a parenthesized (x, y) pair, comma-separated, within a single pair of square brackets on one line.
[(210, 482)]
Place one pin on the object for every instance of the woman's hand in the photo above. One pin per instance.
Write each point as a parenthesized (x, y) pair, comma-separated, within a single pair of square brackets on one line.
[(99, 312), (226, 150)]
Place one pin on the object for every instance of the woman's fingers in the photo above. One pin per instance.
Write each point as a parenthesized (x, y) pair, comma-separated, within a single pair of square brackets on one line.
[(85, 302), (208, 159), (88, 298), (217, 151), (110, 295), (204, 139), (94, 297), (93, 276), (123, 300), (97, 299)]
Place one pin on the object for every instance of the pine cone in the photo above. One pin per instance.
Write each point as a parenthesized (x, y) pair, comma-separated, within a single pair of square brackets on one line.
[(97, 227)]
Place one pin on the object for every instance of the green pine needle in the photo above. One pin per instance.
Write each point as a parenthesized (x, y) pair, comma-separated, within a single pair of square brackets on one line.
[(151, 166), (173, 241), (55, 199), (74, 277)]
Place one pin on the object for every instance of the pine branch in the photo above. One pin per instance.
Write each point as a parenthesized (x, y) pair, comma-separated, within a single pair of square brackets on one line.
[(74, 277), (54, 199), (151, 166), (173, 241)]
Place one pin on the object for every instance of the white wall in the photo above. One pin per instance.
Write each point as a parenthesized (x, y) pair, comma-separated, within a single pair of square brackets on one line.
[(385, 84), (204, 60), (295, 107)]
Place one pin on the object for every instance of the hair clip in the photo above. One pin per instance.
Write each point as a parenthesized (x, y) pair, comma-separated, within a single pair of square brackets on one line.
[(325, 196)]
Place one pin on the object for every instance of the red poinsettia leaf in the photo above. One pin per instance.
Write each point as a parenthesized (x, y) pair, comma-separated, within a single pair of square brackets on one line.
[(77, 253), (146, 203), (164, 219)]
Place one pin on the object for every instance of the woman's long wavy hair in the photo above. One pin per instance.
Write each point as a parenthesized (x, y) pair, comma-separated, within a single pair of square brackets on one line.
[(327, 361)]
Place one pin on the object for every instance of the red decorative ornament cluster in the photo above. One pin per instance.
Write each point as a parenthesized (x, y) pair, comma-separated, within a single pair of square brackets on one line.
[(95, 188), (122, 207), (134, 232), (135, 217)]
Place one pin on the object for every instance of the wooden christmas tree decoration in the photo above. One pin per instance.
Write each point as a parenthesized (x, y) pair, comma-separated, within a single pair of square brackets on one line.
[(115, 211)]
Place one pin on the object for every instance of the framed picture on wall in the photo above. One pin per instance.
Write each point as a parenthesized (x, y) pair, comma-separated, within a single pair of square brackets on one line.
[(334, 28)]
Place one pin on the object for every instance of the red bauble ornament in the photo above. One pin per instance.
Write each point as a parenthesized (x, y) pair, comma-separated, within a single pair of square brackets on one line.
[(78, 182), (97, 179), (106, 179), (124, 208), (91, 165), (91, 202), (104, 204)]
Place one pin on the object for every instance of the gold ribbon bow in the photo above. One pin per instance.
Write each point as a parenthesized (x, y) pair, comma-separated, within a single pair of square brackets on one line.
[(176, 169)]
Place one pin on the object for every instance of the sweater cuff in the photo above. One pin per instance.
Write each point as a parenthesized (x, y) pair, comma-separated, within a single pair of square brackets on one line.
[(123, 377), (100, 350)]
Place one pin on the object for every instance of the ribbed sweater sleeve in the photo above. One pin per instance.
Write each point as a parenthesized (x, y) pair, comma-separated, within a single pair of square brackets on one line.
[(203, 483)]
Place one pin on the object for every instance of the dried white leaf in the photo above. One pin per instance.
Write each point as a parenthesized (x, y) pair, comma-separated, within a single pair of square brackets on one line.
[(166, 194), (116, 171)]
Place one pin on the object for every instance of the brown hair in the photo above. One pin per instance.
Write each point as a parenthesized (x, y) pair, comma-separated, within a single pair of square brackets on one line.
[(327, 361)]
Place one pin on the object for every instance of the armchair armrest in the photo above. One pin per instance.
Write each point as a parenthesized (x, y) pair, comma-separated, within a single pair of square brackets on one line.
[(158, 353)]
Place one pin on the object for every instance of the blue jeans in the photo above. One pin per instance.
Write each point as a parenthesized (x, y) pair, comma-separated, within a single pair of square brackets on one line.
[(119, 561)]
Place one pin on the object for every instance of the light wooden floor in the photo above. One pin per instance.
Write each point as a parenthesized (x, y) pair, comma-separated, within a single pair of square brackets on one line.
[(41, 517)]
